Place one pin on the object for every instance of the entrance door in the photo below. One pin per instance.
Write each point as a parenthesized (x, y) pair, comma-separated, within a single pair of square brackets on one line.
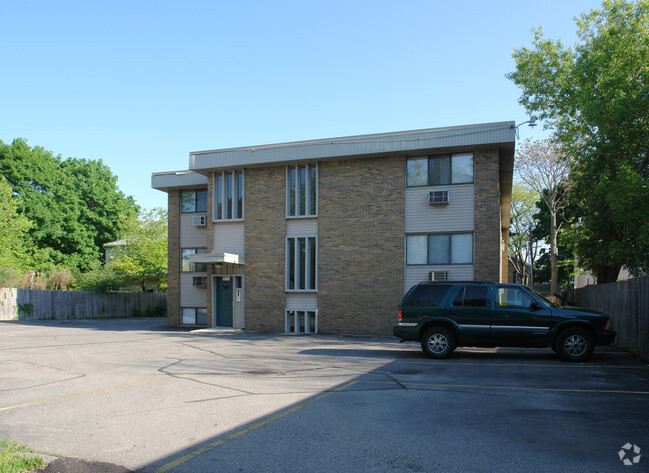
[(224, 291)]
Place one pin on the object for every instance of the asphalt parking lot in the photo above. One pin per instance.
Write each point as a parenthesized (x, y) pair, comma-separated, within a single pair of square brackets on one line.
[(136, 394)]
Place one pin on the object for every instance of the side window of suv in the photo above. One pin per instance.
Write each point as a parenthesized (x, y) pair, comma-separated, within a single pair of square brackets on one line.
[(471, 296), (427, 295)]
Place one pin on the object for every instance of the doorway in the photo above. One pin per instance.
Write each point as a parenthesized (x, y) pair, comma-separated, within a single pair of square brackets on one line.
[(224, 297)]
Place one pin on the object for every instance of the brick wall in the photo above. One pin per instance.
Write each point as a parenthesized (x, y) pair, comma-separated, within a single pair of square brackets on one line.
[(265, 235), (487, 215), (173, 259), (361, 244)]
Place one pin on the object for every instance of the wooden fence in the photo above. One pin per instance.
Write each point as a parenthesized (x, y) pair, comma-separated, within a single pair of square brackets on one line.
[(31, 304), (627, 302)]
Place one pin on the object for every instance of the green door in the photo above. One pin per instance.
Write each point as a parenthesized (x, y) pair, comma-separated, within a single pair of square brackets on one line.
[(224, 292)]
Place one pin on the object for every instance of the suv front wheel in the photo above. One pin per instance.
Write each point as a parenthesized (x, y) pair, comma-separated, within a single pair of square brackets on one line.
[(575, 344), (438, 342)]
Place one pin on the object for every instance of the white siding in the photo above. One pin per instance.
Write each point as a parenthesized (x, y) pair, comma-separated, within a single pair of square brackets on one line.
[(301, 301), (190, 235), (229, 238), (416, 274), (302, 226), (456, 216), (191, 296)]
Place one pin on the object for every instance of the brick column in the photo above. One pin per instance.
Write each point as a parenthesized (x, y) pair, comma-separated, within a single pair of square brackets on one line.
[(265, 241), (361, 244), (487, 262)]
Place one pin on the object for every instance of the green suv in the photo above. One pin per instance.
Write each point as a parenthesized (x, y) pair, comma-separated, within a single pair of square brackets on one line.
[(445, 315)]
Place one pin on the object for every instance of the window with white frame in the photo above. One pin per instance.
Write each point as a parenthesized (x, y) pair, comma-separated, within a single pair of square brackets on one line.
[(193, 201), (439, 249), (301, 321), (194, 316), (301, 263), (187, 266), (302, 190), (228, 195), (440, 170)]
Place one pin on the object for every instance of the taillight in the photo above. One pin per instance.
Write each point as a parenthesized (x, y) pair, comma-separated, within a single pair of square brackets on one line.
[(400, 314), (608, 325)]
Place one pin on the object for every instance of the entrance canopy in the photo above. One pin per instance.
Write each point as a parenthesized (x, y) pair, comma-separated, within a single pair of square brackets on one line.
[(216, 258)]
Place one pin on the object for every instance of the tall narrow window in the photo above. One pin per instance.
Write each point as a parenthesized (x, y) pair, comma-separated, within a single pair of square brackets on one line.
[(229, 195), (301, 263), (302, 191)]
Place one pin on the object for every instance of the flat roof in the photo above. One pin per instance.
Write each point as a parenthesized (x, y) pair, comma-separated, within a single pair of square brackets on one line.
[(411, 142)]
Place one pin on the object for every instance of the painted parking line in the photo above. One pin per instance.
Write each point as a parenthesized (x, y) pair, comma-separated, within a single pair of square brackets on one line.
[(207, 448), (87, 393), (507, 388)]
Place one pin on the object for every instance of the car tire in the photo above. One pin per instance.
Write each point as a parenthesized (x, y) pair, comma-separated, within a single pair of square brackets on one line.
[(438, 342), (575, 344)]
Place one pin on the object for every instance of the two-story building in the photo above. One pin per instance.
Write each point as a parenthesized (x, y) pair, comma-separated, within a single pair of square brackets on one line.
[(327, 235)]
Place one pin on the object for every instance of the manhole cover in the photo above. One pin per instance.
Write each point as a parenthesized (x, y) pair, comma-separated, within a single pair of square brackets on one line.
[(263, 372)]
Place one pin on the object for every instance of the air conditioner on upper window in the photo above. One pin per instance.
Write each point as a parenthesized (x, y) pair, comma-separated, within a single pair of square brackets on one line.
[(438, 197), (200, 220), (199, 281), (438, 276)]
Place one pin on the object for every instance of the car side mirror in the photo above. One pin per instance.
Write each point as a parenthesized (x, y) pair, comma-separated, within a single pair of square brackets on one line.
[(534, 306)]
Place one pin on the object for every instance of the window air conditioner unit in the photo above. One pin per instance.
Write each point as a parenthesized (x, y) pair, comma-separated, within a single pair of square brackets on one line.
[(438, 276), (200, 220), (438, 197), (199, 281)]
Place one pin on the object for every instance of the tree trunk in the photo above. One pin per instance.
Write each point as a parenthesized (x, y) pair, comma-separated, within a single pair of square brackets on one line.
[(554, 271)]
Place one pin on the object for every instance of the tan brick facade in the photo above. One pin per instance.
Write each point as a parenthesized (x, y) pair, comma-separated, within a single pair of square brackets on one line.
[(265, 235), (487, 259), (173, 259), (361, 244)]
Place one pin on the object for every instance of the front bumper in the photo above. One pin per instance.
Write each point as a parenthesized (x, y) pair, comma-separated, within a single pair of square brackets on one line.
[(606, 338)]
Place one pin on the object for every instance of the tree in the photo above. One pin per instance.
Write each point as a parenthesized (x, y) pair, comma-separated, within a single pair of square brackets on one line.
[(594, 98), (75, 205), (540, 166), (145, 256), (15, 247), (523, 247)]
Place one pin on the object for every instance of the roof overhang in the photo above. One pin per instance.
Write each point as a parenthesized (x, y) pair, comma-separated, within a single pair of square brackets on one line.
[(165, 181), (216, 258), (362, 146)]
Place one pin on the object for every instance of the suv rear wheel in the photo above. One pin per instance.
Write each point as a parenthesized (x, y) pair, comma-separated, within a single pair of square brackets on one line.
[(575, 344), (438, 342)]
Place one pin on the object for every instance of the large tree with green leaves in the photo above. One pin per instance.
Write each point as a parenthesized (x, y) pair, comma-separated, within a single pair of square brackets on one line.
[(144, 259), (74, 204), (594, 96), (16, 250)]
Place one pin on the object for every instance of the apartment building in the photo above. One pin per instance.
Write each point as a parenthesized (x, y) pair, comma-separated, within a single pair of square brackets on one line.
[(327, 235)]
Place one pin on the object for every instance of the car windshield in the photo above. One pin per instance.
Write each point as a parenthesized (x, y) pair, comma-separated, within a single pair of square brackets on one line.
[(543, 299)]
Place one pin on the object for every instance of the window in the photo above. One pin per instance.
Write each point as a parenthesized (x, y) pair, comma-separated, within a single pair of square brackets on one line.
[(513, 298), (186, 265), (302, 190), (193, 201), (427, 295), (471, 296), (194, 316), (439, 249), (440, 170), (228, 195), (301, 321), (301, 264)]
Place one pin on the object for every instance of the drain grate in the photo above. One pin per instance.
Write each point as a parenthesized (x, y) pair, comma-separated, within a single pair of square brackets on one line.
[(264, 372)]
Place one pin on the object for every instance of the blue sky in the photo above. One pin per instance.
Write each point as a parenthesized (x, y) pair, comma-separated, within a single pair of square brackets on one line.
[(140, 84)]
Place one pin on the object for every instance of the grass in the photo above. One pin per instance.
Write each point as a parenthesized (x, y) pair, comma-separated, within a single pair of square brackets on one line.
[(16, 458)]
